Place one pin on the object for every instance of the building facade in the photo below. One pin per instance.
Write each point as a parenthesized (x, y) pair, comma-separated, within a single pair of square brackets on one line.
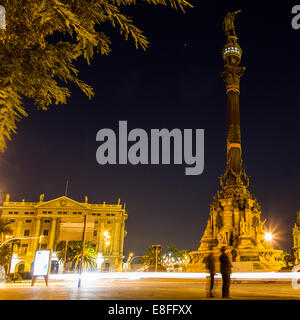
[(53, 224), (296, 238)]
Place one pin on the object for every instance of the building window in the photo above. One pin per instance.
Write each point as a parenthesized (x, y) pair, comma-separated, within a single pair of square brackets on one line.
[(26, 233), (59, 212), (27, 220), (65, 212), (12, 220), (44, 246), (98, 214), (10, 212), (26, 212), (74, 212), (24, 247), (95, 233), (79, 212), (113, 214), (46, 232), (46, 221), (15, 212), (108, 214), (31, 212), (109, 222), (21, 267), (49, 212)]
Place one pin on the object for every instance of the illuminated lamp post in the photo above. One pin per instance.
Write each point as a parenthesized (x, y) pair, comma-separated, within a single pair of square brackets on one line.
[(157, 249), (22, 238), (106, 242), (82, 250)]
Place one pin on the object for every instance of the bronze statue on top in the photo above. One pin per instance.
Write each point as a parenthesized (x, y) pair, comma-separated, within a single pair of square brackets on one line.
[(228, 23)]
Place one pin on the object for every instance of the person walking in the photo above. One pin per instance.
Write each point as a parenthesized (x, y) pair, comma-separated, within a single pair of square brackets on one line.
[(226, 267), (210, 265)]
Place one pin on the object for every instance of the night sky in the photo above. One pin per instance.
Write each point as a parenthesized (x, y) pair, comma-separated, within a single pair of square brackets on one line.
[(175, 84)]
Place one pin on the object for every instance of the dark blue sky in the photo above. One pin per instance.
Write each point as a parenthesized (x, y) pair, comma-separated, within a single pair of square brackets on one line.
[(175, 84)]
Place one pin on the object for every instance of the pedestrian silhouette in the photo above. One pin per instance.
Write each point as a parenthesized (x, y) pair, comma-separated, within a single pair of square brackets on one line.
[(226, 267), (210, 265)]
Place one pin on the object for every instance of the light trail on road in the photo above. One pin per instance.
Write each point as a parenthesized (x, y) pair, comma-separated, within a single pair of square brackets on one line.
[(92, 276)]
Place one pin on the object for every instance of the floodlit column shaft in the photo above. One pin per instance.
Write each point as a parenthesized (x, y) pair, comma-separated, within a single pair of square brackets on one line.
[(36, 233), (52, 234)]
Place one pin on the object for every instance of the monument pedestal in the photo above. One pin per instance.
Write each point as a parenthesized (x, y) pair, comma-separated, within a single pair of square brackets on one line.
[(245, 242)]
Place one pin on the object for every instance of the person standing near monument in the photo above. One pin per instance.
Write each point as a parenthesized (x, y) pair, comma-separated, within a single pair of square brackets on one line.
[(226, 267), (210, 265)]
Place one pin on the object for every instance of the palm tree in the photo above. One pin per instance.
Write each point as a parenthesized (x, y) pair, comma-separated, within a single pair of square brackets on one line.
[(74, 255), (4, 228), (149, 257), (89, 259), (6, 252)]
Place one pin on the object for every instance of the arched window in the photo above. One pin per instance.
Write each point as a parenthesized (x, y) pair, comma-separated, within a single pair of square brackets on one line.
[(21, 267)]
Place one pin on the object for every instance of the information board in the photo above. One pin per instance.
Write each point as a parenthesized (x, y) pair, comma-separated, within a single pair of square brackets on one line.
[(41, 262)]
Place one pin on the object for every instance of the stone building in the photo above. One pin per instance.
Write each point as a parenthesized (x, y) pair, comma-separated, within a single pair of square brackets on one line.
[(235, 215), (296, 238), (60, 221)]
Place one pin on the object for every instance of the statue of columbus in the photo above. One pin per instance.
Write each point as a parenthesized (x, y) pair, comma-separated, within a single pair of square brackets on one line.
[(228, 23)]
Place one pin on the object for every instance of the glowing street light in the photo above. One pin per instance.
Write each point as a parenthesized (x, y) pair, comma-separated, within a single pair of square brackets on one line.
[(106, 238), (268, 236)]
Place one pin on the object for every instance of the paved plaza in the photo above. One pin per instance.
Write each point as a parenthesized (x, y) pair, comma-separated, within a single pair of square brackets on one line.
[(146, 289)]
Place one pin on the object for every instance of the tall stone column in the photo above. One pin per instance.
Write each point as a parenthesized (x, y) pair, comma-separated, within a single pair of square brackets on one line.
[(234, 203), (36, 234), (52, 233), (100, 238), (19, 228), (116, 243), (122, 238)]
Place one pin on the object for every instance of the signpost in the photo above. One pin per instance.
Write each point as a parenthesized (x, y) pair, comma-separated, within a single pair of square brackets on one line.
[(41, 267), (157, 249)]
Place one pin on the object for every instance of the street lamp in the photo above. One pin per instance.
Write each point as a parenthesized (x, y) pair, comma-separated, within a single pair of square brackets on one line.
[(268, 236), (157, 249), (21, 238), (82, 250), (106, 238)]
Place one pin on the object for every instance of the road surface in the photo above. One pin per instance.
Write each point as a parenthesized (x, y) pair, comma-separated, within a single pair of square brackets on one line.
[(146, 289)]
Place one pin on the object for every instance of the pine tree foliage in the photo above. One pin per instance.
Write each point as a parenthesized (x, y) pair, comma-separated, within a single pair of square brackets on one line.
[(43, 39)]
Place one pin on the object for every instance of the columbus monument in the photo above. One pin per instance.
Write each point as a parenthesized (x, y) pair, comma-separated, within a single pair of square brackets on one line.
[(235, 215)]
